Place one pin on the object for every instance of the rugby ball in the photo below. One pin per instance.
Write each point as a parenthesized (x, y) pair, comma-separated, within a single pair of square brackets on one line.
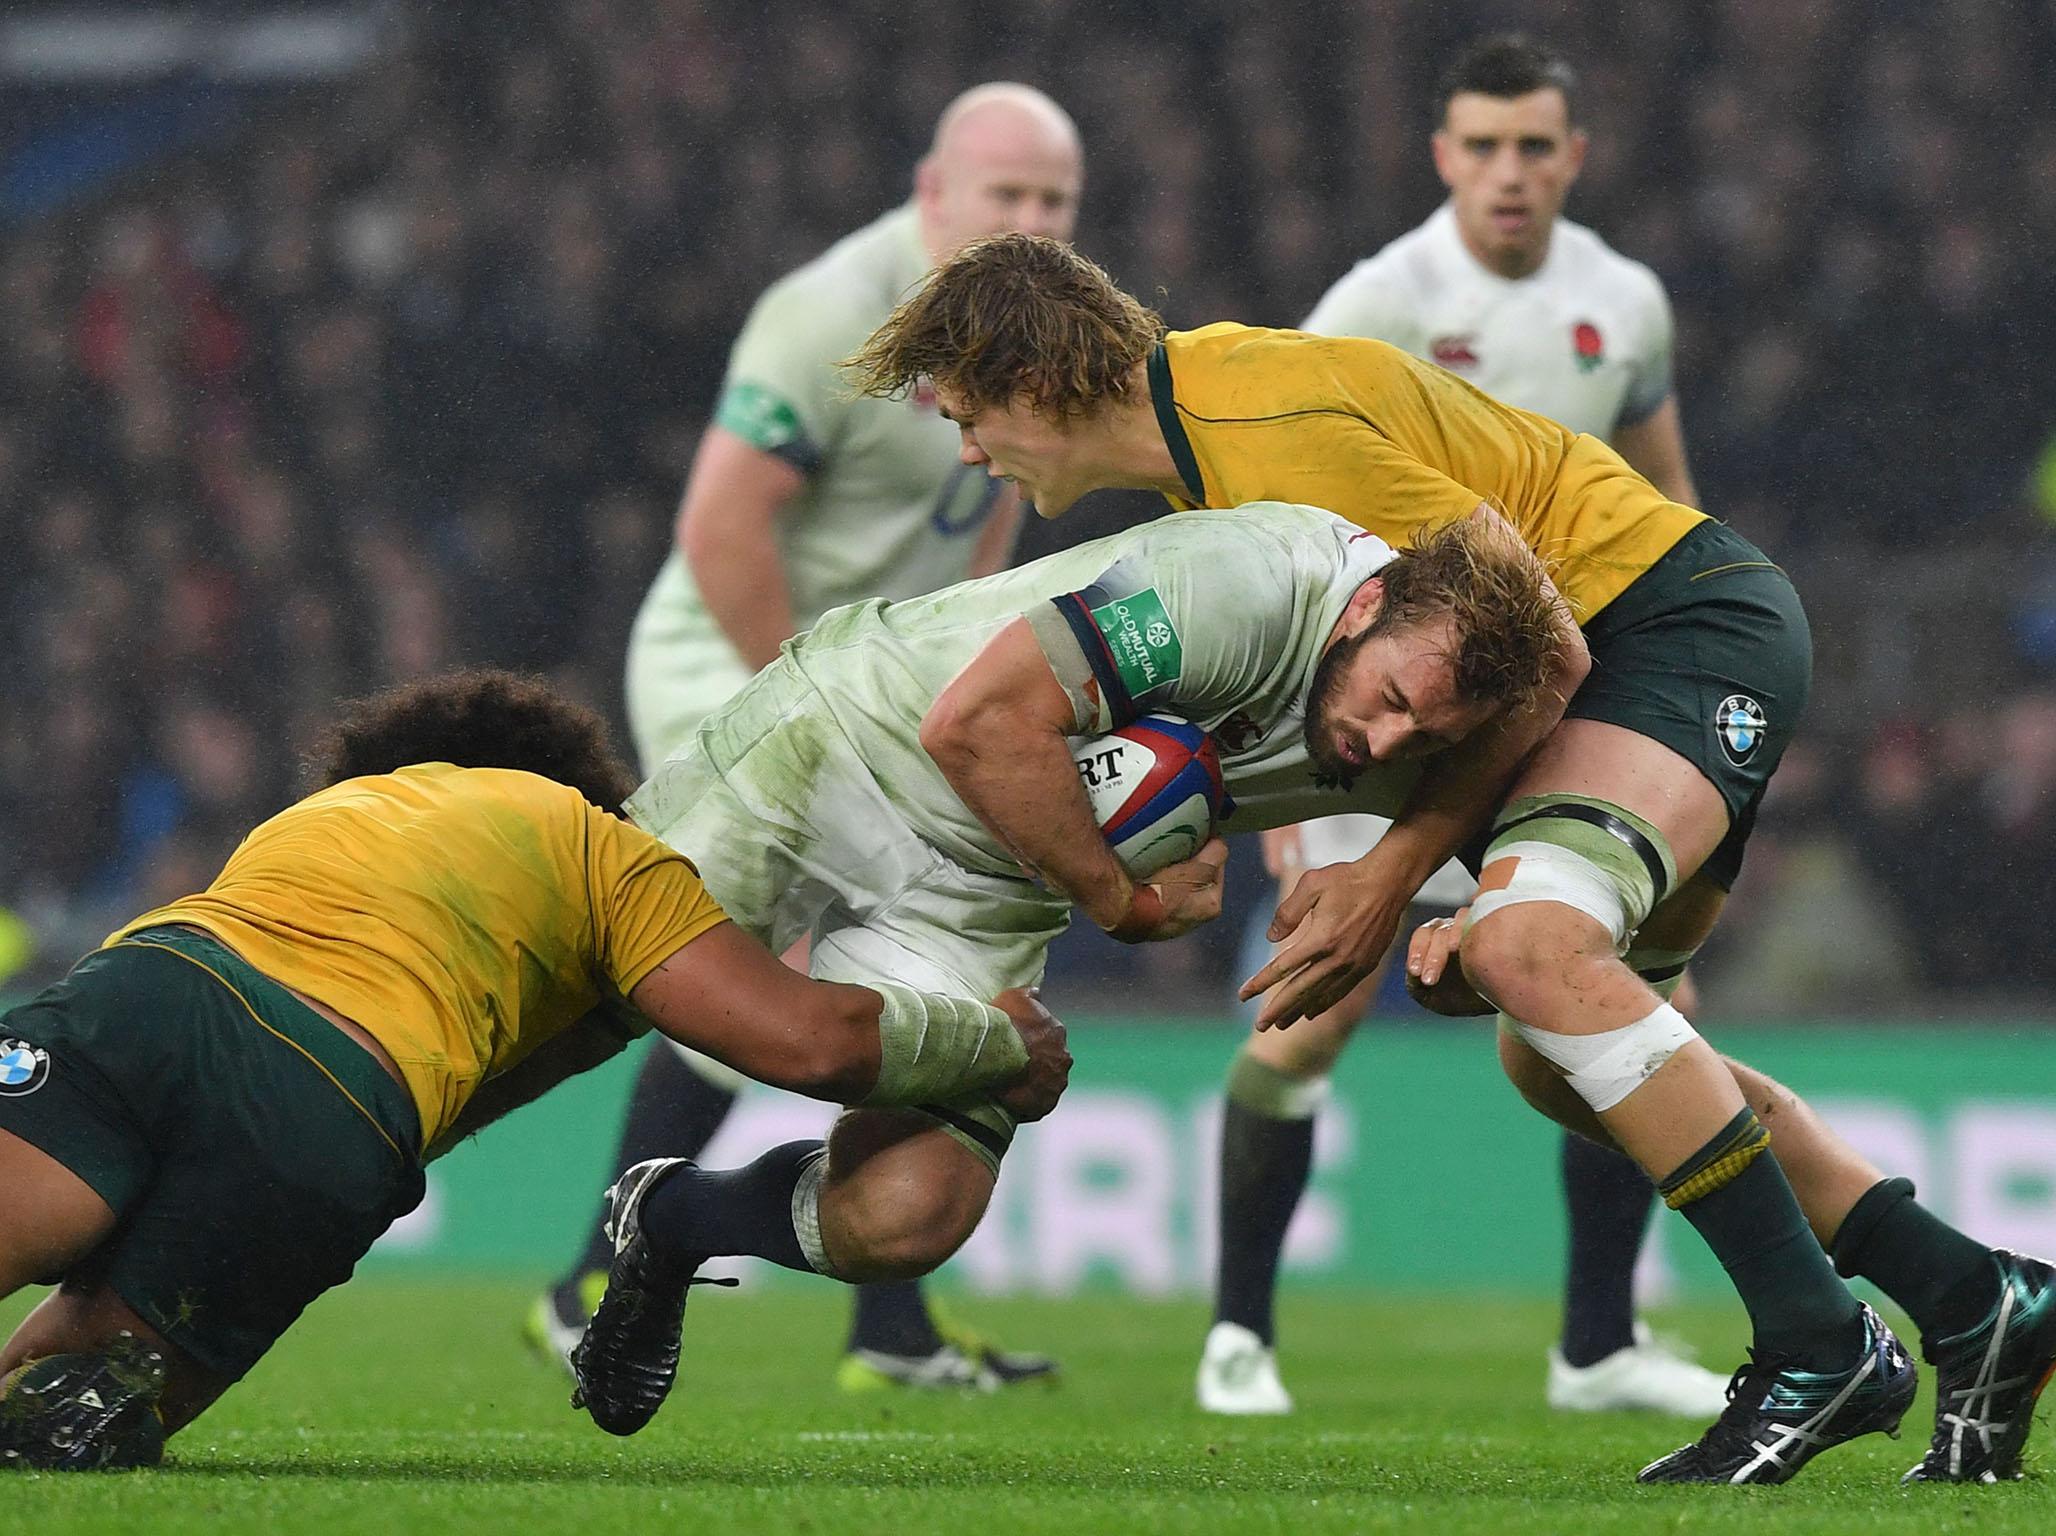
[(1155, 788)]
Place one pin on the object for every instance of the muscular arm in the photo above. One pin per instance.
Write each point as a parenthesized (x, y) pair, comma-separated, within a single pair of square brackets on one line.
[(725, 994), (998, 735), (727, 536), (1655, 446)]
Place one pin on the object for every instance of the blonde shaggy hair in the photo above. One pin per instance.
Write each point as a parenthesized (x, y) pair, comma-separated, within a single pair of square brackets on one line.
[(1509, 621), (1008, 318)]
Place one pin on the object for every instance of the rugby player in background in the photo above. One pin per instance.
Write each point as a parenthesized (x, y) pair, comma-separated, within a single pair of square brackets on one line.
[(1541, 313), (206, 1124), (1614, 844), (802, 498)]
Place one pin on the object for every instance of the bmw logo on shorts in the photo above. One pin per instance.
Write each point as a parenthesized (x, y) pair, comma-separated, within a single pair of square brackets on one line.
[(23, 1067), (1740, 724)]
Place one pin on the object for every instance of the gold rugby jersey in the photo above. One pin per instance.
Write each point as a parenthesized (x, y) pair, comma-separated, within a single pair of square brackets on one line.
[(461, 916), (1395, 444)]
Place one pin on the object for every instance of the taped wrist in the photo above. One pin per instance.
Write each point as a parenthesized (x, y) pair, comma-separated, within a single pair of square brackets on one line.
[(934, 1048), (1144, 915)]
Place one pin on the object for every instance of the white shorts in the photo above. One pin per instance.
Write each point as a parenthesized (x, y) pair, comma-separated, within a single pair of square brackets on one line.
[(1341, 839), (681, 668), (795, 839)]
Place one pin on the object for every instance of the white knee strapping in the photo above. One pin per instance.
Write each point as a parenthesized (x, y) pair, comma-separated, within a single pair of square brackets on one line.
[(806, 1212), (1547, 872), (1605, 1068)]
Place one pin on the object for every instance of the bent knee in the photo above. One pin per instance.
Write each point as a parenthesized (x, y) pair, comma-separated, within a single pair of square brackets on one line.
[(1534, 949), (901, 1196), (902, 1235)]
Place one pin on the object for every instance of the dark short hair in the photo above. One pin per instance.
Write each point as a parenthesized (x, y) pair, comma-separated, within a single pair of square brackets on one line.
[(1506, 65), (477, 718)]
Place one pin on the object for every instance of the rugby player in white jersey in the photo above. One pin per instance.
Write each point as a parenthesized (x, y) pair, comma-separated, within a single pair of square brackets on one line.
[(1502, 290), (899, 786), (803, 498)]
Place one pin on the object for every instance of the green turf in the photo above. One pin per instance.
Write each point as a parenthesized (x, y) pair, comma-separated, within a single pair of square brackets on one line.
[(407, 1408)]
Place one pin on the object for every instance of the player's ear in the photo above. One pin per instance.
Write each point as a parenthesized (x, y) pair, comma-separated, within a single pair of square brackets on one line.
[(927, 181), (1362, 611), (1444, 148), (1580, 141)]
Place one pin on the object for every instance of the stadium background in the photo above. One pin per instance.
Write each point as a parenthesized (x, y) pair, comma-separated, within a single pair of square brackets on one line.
[(347, 342)]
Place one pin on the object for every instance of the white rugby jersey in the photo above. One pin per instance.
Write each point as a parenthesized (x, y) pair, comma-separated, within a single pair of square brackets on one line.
[(1584, 339), (1218, 616), (887, 509)]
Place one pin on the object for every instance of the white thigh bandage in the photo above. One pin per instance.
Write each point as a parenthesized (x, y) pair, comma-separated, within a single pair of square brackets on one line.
[(1605, 1068), (1547, 872)]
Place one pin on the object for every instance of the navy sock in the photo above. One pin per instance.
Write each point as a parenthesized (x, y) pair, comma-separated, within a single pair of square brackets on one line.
[(700, 1213), (891, 1317), (672, 1112), (1266, 1161), (1607, 1199), (1947, 1282)]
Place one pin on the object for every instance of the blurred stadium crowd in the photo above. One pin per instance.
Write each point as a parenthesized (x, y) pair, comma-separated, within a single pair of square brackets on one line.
[(404, 372)]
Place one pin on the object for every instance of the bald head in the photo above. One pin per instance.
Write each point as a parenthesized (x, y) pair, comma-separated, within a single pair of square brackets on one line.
[(1005, 158)]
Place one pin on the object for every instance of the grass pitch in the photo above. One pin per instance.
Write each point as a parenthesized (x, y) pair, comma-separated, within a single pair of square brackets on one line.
[(410, 1408)]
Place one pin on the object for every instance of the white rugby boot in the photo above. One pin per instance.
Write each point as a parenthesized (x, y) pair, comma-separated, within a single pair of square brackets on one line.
[(1648, 1376), (1238, 1374)]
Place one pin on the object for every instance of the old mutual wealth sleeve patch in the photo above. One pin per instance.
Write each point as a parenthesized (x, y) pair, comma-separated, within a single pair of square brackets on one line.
[(1143, 641), (766, 420)]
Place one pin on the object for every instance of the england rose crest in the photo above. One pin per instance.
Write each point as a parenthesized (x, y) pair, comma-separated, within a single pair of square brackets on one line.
[(1588, 344)]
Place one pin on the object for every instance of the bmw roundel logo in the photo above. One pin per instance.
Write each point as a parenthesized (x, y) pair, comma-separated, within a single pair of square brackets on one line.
[(1740, 724), (23, 1067)]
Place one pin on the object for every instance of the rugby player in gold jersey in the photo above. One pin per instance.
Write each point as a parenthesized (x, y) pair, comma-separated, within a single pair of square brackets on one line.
[(206, 1124), (1615, 841)]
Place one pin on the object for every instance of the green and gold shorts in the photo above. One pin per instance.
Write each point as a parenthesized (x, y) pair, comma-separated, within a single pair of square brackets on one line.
[(1709, 653), (250, 1150)]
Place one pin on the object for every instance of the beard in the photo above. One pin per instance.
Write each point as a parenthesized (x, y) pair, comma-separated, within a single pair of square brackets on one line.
[(1318, 728)]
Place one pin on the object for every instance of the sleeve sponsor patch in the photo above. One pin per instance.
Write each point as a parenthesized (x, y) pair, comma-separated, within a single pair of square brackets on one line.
[(1129, 641), (765, 419), (1144, 643)]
